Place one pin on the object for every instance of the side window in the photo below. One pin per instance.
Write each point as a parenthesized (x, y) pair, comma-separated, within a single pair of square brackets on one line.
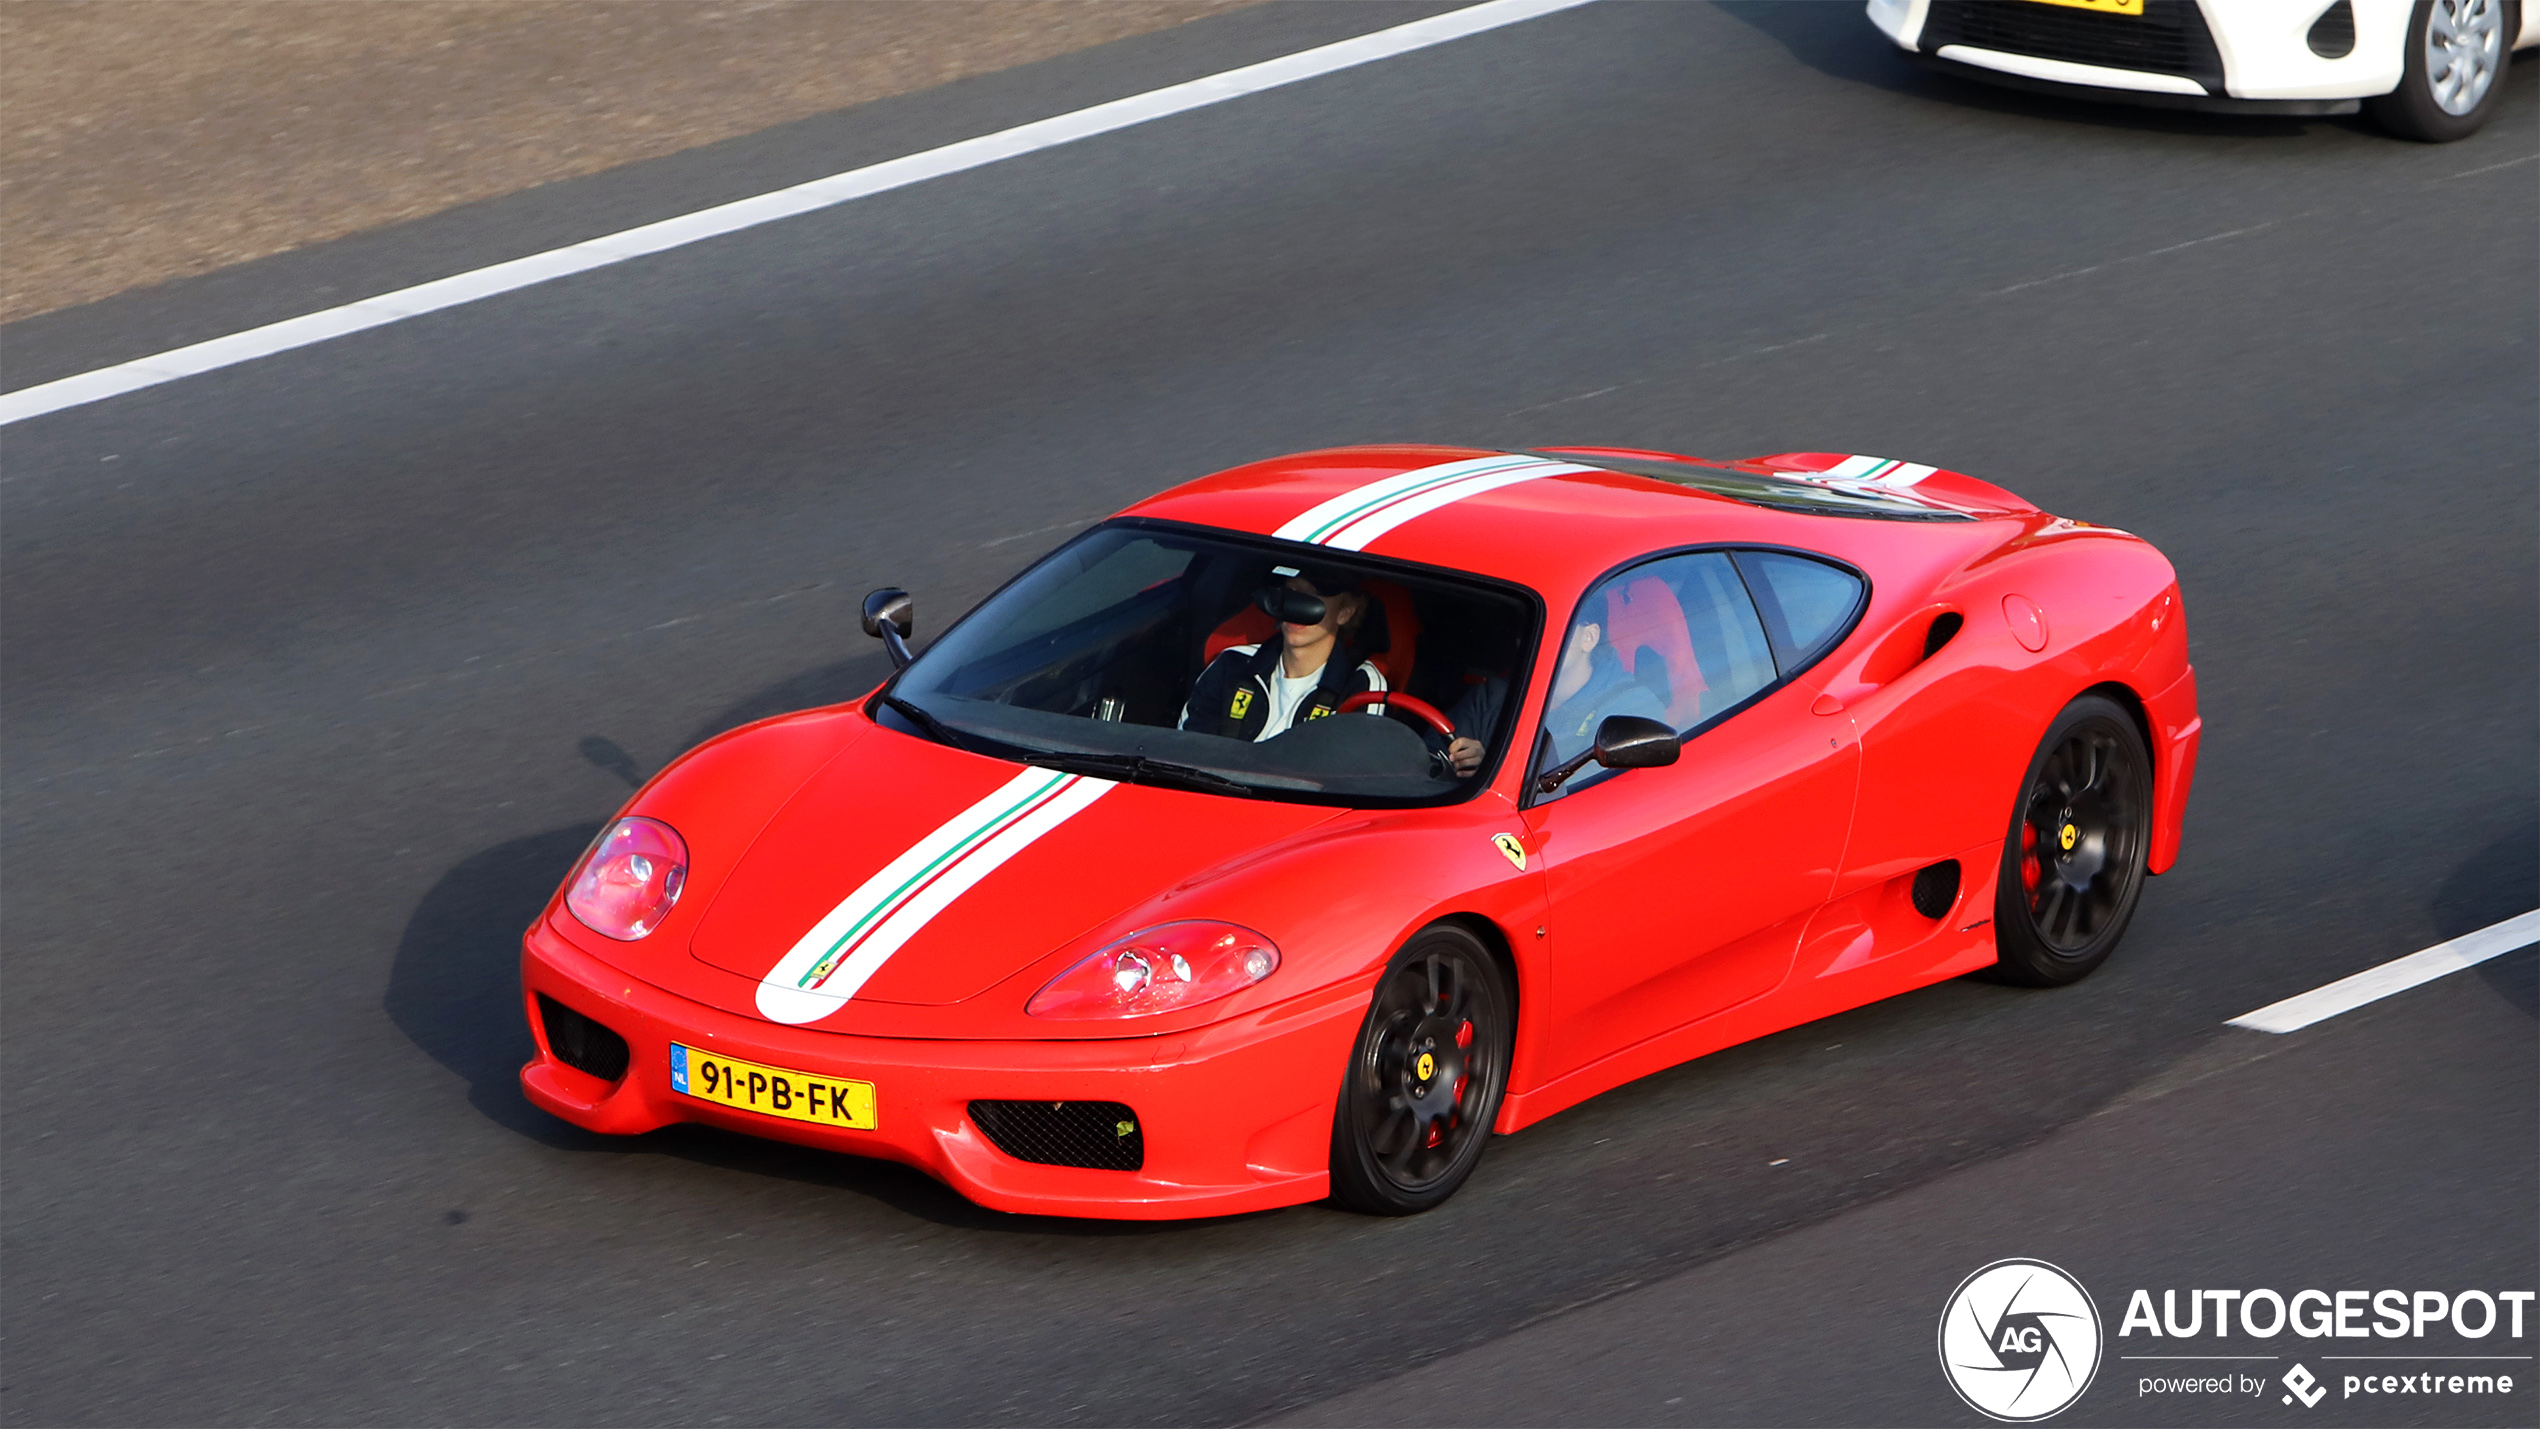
[(1806, 604), (1675, 640)]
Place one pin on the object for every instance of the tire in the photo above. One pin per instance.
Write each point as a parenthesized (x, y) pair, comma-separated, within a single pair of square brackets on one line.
[(1403, 1142), (2450, 91), (2073, 864)]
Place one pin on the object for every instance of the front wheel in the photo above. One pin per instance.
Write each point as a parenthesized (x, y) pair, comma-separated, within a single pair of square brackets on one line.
[(2453, 79), (1425, 1077), (2073, 866)]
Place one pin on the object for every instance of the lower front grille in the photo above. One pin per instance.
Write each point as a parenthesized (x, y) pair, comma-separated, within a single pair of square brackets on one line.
[(580, 1043), (1103, 1136), (2169, 37)]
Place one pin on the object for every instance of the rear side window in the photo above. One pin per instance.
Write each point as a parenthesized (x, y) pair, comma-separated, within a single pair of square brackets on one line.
[(1806, 604)]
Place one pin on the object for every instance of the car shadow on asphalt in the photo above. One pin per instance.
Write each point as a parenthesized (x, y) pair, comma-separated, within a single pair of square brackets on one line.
[(454, 990), (1839, 41)]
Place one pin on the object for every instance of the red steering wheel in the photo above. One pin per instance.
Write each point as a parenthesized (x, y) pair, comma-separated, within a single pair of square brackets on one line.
[(1392, 700)]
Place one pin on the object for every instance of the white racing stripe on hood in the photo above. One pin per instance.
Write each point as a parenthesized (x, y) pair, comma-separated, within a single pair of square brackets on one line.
[(1357, 516), (852, 942)]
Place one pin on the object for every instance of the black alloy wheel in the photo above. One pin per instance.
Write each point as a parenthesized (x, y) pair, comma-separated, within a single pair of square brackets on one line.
[(1425, 1078), (2073, 866)]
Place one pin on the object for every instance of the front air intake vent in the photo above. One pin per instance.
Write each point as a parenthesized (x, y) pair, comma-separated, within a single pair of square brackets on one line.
[(2168, 37), (2332, 35), (1102, 1136), (580, 1043)]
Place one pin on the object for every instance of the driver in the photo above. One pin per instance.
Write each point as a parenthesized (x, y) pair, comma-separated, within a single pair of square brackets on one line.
[(1590, 685), (1253, 692)]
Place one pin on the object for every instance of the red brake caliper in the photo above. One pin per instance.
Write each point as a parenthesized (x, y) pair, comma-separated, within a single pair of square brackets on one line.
[(2028, 856), (1463, 1038)]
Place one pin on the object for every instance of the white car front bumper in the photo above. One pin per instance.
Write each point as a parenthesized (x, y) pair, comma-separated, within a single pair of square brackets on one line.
[(2228, 54)]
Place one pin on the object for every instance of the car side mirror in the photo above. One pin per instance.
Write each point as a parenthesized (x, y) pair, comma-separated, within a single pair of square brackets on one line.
[(1622, 742), (1635, 742), (890, 616)]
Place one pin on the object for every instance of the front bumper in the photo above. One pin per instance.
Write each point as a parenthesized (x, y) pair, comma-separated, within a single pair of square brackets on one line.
[(1236, 1116), (2243, 57), (2113, 86)]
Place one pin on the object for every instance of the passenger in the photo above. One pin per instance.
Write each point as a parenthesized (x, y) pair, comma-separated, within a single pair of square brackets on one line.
[(1591, 685), (1253, 692)]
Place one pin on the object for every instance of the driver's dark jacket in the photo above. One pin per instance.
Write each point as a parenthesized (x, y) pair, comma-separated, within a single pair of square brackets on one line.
[(1232, 696)]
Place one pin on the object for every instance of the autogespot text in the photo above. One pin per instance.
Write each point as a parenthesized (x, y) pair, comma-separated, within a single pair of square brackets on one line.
[(2456, 1362), (2325, 1314)]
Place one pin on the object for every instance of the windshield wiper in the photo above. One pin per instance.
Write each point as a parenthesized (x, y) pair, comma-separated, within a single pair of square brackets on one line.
[(939, 731), (1138, 769)]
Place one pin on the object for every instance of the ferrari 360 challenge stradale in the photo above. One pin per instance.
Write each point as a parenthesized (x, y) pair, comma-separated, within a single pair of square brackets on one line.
[(1292, 832)]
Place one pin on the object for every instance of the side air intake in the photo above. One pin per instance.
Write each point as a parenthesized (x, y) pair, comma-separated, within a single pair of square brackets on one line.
[(1936, 889), (1944, 628)]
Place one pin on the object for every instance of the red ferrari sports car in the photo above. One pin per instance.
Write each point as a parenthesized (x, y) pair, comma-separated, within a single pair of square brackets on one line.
[(1293, 831)]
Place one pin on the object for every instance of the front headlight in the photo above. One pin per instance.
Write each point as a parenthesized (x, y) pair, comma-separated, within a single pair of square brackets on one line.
[(630, 880), (1163, 969)]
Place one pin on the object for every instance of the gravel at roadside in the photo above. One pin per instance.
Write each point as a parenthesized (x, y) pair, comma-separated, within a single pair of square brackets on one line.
[(143, 140)]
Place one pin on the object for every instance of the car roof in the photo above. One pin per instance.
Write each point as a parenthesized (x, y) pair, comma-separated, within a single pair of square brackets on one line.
[(1556, 518)]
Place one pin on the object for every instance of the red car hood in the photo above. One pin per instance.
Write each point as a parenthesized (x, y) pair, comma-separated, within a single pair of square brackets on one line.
[(906, 872)]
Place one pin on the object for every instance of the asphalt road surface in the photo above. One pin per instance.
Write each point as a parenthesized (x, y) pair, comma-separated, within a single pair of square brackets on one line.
[(320, 670)]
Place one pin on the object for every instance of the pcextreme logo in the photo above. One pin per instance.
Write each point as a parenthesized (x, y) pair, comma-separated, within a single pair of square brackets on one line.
[(2019, 1340)]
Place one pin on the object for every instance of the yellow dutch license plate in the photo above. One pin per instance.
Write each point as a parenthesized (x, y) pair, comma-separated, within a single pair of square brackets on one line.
[(771, 1091), (2104, 7)]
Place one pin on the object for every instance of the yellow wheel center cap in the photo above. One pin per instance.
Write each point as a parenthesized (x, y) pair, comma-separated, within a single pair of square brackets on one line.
[(1427, 1066), (2071, 836)]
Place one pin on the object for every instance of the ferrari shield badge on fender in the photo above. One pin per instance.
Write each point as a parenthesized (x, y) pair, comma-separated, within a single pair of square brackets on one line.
[(1508, 844)]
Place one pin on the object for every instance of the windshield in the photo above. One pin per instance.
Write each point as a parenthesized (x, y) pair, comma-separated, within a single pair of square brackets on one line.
[(1206, 660)]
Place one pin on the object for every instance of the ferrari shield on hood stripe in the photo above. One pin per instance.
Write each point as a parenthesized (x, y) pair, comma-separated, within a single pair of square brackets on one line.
[(1354, 518), (850, 944)]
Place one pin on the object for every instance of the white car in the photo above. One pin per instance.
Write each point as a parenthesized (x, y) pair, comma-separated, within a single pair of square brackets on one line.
[(2428, 69)]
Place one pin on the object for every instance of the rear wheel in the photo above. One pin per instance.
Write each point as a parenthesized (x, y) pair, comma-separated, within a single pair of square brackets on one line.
[(1425, 1077), (2453, 81), (2072, 868)]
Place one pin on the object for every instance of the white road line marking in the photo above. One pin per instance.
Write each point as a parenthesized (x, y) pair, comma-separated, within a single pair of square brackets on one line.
[(2487, 168), (2398, 975), (732, 217), (2136, 257)]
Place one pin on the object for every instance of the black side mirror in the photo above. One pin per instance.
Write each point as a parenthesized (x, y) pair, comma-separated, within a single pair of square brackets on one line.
[(1635, 742), (1622, 742), (890, 616)]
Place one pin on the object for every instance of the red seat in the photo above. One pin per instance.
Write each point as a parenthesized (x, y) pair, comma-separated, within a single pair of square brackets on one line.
[(1248, 626), (1644, 616), (1251, 625)]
